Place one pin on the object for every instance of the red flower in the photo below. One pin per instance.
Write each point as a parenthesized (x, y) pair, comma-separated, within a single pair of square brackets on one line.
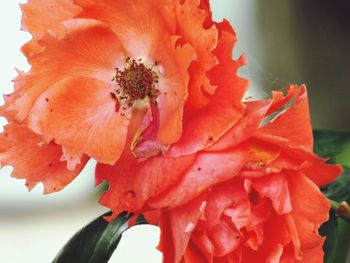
[(252, 195), (104, 69)]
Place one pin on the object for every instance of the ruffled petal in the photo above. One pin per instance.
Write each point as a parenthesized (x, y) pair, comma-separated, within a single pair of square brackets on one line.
[(279, 100), (245, 128), (320, 172), (176, 227), (34, 160), (310, 210), (314, 167), (80, 115), (275, 187), (121, 195), (40, 16), (146, 35), (190, 18), (293, 124), (194, 253), (204, 128), (159, 174), (88, 49), (275, 236), (138, 24), (175, 60), (231, 199), (139, 180), (207, 170), (224, 238)]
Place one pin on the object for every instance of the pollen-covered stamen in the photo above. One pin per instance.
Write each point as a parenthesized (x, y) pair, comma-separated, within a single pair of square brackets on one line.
[(135, 82)]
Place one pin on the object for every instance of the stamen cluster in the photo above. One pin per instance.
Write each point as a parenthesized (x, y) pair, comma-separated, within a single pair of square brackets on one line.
[(135, 82)]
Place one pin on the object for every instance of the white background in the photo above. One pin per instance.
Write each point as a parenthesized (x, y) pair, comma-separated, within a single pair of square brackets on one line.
[(34, 227)]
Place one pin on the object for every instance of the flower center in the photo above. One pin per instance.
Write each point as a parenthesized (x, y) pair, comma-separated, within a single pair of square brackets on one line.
[(135, 82)]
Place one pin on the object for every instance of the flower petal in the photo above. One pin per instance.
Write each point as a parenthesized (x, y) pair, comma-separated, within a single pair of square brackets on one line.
[(176, 228), (88, 49), (35, 161), (195, 254), (310, 210), (207, 170), (204, 40), (159, 174), (245, 127), (224, 238), (138, 24), (275, 187), (80, 115), (229, 195), (175, 61), (141, 180), (204, 128), (39, 16), (293, 124)]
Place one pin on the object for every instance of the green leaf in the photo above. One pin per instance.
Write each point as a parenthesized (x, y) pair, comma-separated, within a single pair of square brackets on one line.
[(339, 190), (335, 145), (342, 242), (330, 230), (96, 242)]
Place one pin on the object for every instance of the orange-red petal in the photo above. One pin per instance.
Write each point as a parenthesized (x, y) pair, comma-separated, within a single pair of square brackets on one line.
[(41, 16), (310, 210), (34, 160), (275, 187), (230, 199), (175, 60), (133, 182), (138, 24), (204, 41), (292, 124), (208, 124), (80, 115), (245, 128), (207, 170), (176, 228), (88, 49)]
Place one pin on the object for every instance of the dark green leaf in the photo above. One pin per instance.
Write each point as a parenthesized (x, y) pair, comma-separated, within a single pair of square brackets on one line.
[(335, 145), (340, 189), (95, 243), (329, 229), (342, 243)]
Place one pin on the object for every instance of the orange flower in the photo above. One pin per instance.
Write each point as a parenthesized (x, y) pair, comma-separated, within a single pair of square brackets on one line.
[(252, 195), (99, 66)]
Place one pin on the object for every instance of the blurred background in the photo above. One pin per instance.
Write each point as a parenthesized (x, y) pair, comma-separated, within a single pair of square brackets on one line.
[(286, 42)]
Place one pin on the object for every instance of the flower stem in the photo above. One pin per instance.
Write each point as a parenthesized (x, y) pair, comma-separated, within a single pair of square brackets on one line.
[(341, 209)]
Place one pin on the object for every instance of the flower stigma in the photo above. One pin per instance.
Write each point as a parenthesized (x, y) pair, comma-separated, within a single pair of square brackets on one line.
[(135, 83)]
